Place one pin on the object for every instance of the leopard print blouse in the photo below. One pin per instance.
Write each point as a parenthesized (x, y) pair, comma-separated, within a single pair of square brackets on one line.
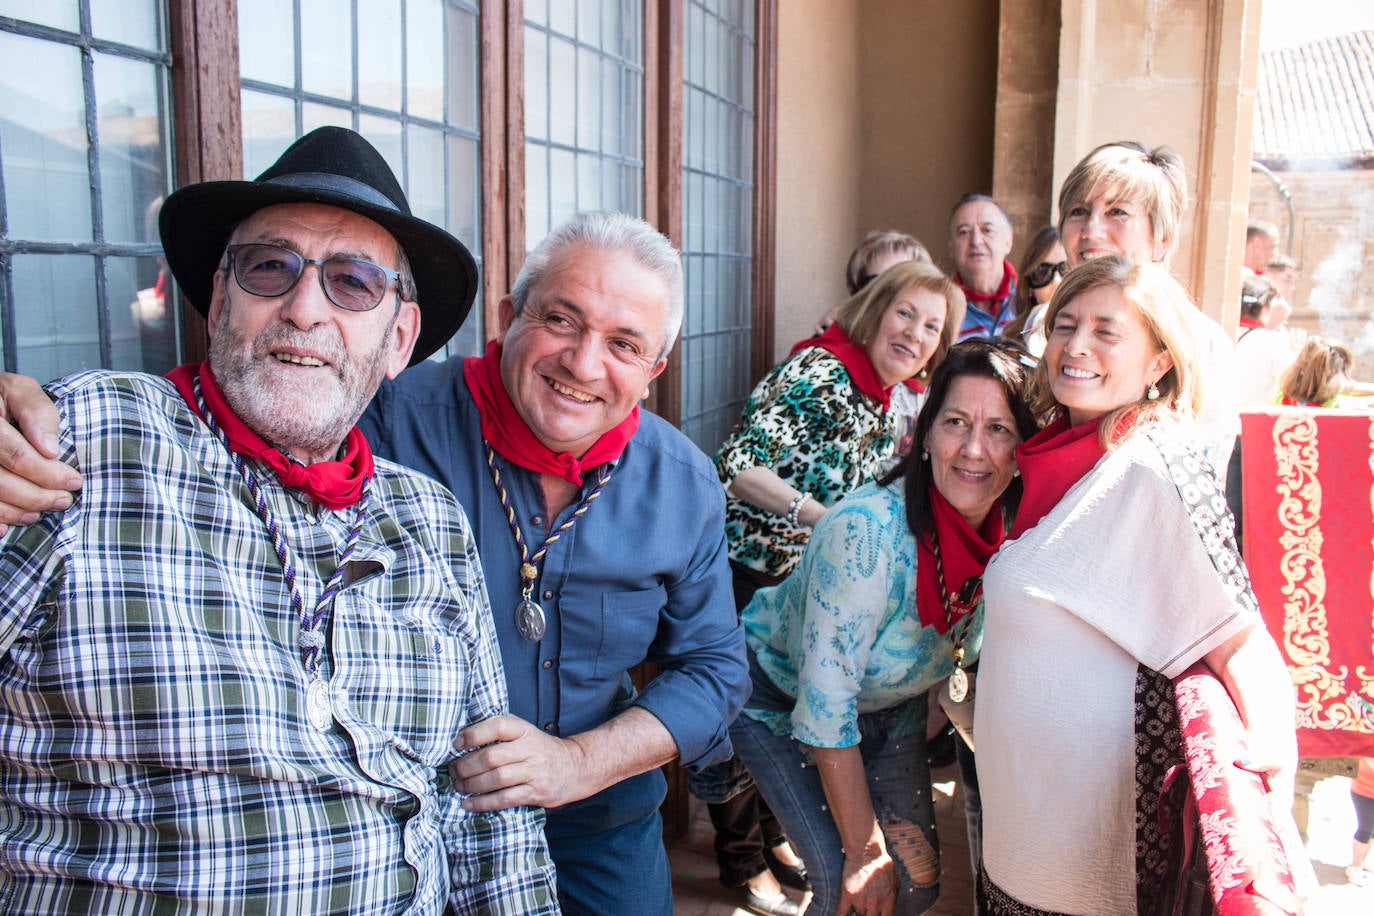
[(808, 422)]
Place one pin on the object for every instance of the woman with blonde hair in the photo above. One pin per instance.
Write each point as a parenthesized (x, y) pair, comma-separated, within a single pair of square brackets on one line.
[(824, 420), (1320, 376), (1126, 198), (1119, 573)]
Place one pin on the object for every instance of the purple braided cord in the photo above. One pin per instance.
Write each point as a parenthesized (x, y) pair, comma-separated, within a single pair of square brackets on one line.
[(310, 639), (525, 559)]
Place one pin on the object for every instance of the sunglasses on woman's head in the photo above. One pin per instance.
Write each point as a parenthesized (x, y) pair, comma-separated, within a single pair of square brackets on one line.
[(1043, 274)]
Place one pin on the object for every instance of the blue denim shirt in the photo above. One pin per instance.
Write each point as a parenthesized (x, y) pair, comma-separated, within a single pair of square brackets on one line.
[(642, 576)]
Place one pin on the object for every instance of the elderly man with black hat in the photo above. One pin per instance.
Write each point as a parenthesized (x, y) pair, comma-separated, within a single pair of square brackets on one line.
[(232, 670)]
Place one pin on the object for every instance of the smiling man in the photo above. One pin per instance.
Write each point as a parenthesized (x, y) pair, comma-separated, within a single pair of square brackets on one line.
[(980, 239), (602, 533), (234, 666)]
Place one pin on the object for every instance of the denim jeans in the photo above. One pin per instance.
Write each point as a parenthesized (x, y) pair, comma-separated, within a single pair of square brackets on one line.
[(898, 776)]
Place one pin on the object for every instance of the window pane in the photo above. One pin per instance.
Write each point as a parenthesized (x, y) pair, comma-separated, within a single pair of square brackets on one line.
[(43, 138), (314, 115), (537, 223), (425, 155), (562, 16), (536, 85), (130, 22), (133, 163), (64, 335), (584, 79), (563, 194), (563, 113), (385, 134), (425, 59), (415, 97), (379, 54), (43, 12), (269, 126), (326, 40), (143, 331), (718, 146), (267, 31), (465, 205), (463, 70)]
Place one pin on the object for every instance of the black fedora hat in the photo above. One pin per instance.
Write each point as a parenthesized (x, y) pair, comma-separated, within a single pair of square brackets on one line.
[(334, 166)]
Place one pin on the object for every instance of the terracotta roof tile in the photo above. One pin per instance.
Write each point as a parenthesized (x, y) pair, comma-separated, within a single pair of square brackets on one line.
[(1316, 101)]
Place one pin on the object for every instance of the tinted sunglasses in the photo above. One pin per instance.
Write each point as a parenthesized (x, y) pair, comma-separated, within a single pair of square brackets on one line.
[(1043, 275), (268, 271)]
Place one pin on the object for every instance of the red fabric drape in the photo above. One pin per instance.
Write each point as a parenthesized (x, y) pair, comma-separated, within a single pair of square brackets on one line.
[(1309, 544)]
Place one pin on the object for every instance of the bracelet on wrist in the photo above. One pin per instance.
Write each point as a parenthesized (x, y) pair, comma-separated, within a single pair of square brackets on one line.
[(794, 509)]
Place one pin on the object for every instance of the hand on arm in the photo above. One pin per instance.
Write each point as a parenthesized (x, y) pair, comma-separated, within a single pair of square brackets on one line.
[(869, 877), (517, 764), (31, 479), (759, 486), (1254, 673)]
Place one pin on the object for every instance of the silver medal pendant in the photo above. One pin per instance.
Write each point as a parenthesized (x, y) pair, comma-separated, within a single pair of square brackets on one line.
[(317, 708), (958, 685), (530, 620)]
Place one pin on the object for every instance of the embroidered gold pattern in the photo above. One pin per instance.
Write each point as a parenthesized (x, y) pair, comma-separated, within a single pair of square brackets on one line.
[(1323, 697)]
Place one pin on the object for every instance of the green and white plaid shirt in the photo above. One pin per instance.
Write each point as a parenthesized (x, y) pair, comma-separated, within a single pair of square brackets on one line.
[(155, 755)]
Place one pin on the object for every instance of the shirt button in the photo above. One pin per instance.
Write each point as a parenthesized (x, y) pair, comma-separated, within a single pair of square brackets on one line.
[(548, 663), (537, 519), (548, 594), (548, 727)]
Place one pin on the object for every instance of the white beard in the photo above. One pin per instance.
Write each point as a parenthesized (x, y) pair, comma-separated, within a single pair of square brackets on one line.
[(301, 417)]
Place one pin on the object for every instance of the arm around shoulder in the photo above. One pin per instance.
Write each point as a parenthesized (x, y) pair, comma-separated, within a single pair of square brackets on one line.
[(32, 480)]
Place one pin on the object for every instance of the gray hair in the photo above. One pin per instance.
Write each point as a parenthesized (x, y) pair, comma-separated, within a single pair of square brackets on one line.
[(609, 230)]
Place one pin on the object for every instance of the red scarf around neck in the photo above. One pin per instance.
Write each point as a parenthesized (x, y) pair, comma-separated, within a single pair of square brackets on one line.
[(1251, 322), (965, 553), (333, 484), (838, 343), (506, 432), (1003, 288), (1051, 462)]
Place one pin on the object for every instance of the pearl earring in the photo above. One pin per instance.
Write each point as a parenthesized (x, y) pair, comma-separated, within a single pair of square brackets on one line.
[(1152, 393)]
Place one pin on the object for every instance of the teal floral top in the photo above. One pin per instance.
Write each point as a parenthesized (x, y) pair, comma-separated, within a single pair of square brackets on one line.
[(841, 633), (809, 424)]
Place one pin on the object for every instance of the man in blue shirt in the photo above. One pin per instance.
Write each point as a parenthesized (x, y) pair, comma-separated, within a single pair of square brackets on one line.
[(601, 533), (980, 239)]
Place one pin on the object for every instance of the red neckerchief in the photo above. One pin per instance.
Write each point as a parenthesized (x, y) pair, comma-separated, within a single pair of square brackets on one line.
[(965, 553), (506, 432), (835, 341), (1051, 462), (1003, 288), (333, 484), (1251, 323)]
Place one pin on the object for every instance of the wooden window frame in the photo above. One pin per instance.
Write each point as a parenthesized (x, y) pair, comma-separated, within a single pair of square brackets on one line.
[(208, 145)]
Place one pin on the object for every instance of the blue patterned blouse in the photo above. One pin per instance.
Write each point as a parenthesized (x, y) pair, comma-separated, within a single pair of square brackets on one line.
[(841, 633)]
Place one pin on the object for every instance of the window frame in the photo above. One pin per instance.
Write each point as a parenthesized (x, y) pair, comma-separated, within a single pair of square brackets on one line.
[(207, 136)]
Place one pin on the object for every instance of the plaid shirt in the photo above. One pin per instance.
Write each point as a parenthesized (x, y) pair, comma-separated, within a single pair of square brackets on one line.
[(154, 749)]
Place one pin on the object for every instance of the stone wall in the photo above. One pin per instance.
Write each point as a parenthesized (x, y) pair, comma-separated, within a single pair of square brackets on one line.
[(1334, 240)]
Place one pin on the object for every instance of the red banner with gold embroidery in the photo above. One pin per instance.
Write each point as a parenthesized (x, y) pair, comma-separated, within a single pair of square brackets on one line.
[(1309, 544)]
